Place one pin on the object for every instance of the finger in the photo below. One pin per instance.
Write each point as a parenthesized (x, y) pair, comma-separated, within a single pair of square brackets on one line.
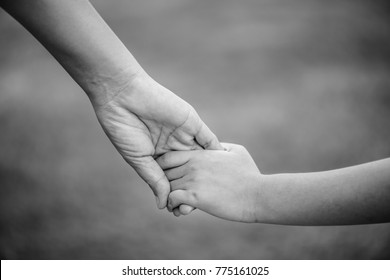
[(229, 147), (176, 198), (207, 139), (176, 185), (196, 146), (176, 212), (182, 210), (179, 184), (174, 159), (176, 172), (148, 169), (186, 209)]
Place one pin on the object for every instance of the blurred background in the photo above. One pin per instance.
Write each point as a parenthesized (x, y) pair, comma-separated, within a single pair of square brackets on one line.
[(303, 84)]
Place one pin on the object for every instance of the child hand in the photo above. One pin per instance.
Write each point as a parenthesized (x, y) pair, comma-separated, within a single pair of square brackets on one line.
[(222, 183)]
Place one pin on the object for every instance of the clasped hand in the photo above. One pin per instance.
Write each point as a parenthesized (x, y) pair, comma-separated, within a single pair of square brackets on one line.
[(144, 121)]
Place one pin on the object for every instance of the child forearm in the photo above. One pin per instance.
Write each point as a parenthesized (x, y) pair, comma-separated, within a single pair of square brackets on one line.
[(353, 195), (76, 35)]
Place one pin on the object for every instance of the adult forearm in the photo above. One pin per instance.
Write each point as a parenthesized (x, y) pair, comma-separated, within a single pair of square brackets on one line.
[(353, 195), (75, 34)]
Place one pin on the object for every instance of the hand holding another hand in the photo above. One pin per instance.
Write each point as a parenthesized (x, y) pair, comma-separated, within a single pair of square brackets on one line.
[(146, 120)]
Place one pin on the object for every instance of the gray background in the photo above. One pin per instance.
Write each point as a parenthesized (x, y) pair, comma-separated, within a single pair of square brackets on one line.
[(304, 85)]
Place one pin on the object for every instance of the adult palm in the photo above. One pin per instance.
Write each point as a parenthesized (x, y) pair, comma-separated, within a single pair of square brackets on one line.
[(146, 120)]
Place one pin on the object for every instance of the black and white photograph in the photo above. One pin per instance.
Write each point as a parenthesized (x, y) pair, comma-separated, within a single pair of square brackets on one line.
[(194, 130)]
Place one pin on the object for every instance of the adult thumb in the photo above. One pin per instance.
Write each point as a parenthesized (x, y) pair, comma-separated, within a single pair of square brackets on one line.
[(148, 169), (207, 139)]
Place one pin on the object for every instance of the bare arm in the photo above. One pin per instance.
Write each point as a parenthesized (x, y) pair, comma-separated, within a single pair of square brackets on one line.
[(228, 184), (354, 195), (75, 34), (142, 118)]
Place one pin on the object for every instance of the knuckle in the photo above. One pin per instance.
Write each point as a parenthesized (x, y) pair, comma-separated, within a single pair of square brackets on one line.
[(192, 168), (191, 179), (193, 197)]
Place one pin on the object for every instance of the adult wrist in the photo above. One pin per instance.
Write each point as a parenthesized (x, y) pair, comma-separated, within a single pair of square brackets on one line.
[(103, 88)]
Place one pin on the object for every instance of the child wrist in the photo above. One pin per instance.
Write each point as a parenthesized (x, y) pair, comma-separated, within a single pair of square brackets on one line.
[(264, 213)]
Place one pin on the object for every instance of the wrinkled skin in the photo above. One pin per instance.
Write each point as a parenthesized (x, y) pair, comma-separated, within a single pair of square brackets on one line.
[(146, 120)]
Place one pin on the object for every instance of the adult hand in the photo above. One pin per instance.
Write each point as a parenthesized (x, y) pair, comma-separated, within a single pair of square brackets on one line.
[(142, 119), (145, 120)]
